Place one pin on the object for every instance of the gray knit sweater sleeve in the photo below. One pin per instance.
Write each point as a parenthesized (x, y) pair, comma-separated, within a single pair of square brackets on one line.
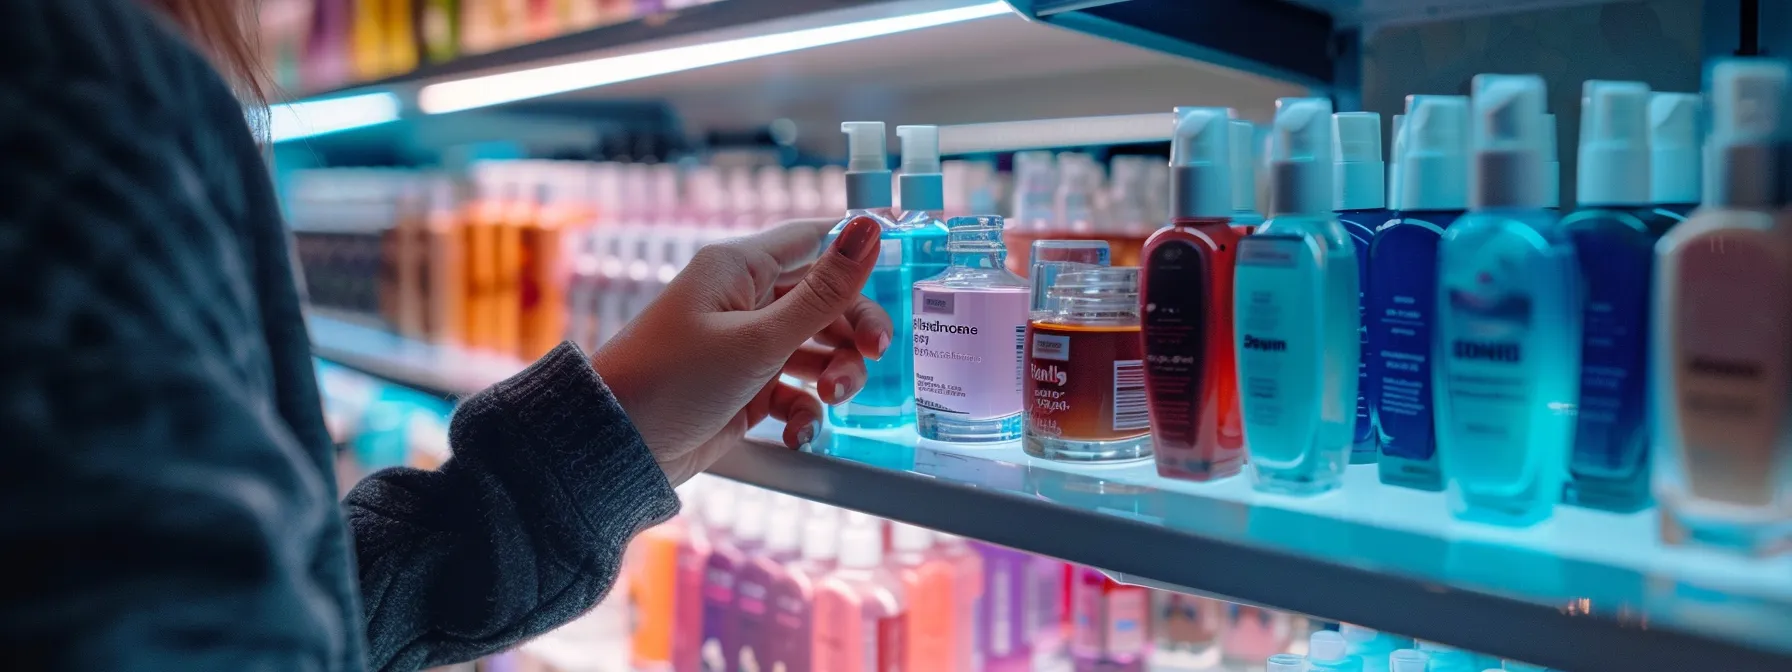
[(166, 498)]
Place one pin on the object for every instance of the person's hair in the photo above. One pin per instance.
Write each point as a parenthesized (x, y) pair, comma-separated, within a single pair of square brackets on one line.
[(226, 31)]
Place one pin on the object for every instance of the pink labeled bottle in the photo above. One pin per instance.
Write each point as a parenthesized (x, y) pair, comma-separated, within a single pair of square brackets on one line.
[(687, 590), (792, 597), (929, 582), (969, 322), (1004, 623), (1111, 624), (725, 560), (969, 589), (753, 634), (861, 618)]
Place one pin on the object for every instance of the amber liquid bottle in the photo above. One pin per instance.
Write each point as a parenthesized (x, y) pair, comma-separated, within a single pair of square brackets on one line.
[(1085, 382), (444, 267), (483, 217), (1186, 302)]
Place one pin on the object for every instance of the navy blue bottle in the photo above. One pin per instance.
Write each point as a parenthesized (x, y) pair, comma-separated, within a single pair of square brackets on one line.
[(1431, 152), (1359, 193)]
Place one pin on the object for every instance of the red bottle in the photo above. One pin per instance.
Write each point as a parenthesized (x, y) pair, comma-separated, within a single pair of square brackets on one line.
[(1191, 377)]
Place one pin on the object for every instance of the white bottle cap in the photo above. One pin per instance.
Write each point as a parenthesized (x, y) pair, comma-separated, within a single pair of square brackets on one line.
[(908, 538), (1300, 157), (1358, 174), (867, 166), (1243, 148), (1396, 156), (1552, 164), (783, 532), (1357, 634), (718, 505), (1434, 154), (1287, 662), (1614, 143), (1408, 660), (861, 542), (1200, 154), (821, 533), (1742, 162), (923, 185), (1508, 142), (1674, 164), (750, 520), (1326, 646)]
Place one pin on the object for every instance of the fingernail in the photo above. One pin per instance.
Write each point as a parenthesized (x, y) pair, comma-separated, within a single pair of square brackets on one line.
[(883, 345), (806, 435), (858, 239), (839, 391)]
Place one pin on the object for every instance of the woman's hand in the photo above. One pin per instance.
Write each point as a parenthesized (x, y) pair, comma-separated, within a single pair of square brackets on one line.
[(700, 366)]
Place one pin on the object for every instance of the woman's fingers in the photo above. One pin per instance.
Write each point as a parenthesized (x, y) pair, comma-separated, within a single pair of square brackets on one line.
[(800, 412), (863, 325), (838, 373)]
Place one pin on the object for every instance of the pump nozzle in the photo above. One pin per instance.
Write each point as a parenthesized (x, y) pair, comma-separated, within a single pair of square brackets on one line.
[(1614, 137), (1300, 155), (1357, 175), (1244, 165), (1552, 164), (1674, 148), (1396, 157), (1508, 141), (1748, 99), (923, 185), (1434, 154), (1200, 149), (867, 166)]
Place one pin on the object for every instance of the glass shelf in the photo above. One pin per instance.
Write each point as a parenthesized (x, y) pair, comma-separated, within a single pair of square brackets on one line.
[(1585, 590)]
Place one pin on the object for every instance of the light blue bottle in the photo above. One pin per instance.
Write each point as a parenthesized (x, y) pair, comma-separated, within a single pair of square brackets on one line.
[(1296, 316), (1507, 340), (1440, 658), (888, 398), (1328, 652), (1431, 192), (1360, 198)]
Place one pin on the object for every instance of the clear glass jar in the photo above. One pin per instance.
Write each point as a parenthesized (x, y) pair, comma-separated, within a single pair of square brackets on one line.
[(969, 328), (1085, 383)]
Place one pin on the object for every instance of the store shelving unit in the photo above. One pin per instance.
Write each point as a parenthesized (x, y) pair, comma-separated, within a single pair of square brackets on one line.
[(1583, 591)]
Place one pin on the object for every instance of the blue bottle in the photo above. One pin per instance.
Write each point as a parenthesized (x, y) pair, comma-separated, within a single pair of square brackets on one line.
[(1614, 231), (1431, 162), (1296, 321), (1506, 348), (1359, 195)]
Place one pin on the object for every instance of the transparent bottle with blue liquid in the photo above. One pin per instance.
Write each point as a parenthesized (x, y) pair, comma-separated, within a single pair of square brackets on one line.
[(1506, 348), (908, 252), (1296, 320), (1429, 192), (1360, 200), (1614, 230)]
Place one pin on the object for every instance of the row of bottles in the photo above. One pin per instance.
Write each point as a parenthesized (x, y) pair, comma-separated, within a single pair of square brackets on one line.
[(323, 44), (1470, 339)]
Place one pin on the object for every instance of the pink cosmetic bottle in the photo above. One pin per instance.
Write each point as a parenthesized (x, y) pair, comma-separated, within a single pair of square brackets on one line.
[(929, 582), (860, 616), (725, 559), (762, 569), (1110, 624), (792, 597), (967, 652), (687, 591)]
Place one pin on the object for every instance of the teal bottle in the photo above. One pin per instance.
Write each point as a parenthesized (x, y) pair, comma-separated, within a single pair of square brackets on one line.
[(1296, 316), (1507, 341)]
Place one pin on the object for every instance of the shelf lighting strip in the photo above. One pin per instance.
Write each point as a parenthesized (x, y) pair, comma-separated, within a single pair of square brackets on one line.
[(304, 119), (508, 87)]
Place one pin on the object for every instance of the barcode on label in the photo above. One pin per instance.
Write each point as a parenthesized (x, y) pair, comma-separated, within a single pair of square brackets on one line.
[(1020, 356), (1131, 412)]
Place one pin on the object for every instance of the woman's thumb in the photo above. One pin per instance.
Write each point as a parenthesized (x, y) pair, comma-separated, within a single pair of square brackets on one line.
[(831, 285)]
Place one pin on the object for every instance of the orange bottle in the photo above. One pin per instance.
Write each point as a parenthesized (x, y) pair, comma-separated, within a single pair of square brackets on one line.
[(545, 276), (652, 577), (444, 266), (930, 582), (484, 216), (520, 187)]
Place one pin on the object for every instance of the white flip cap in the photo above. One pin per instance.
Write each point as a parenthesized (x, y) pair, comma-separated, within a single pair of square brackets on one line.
[(1508, 142), (861, 542), (1286, 662), (750, 520), (1326, 646), (1614, 139), (783, 532), (1674, 165), (1244, 164), (1357, 634), (821, 533), (908, 538), (1300, 157), (1408, 660), (1358, 174), (1200, 157), (1434, 154), (1747, 128), (718, 505)]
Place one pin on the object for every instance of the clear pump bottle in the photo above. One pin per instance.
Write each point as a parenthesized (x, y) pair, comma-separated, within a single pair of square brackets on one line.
[(1723, 329), (888, 398), (1506, 347), (1297, 323), (969, 326), (1675, 167), (1360, 200)]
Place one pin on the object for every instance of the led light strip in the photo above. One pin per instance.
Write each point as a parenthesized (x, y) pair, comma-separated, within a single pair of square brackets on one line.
[(292, 121), (475, 92)]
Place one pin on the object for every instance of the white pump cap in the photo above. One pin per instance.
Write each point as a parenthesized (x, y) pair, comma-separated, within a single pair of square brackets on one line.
[(1408, 660), (1742, 164), (718, 505), (861, 541), (1244, 165), (923, 185), (1674, 148), (750, 520), (1614, 143), (1300, 156), (1396, 150), (783, 534), (1326, 646), (1358, 175), (1434, 154), (1200, 151), (867, 165), (1552, 164), (908, 538), (821, 533), (1286, 662), (1508, 142), (1356, 634)]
